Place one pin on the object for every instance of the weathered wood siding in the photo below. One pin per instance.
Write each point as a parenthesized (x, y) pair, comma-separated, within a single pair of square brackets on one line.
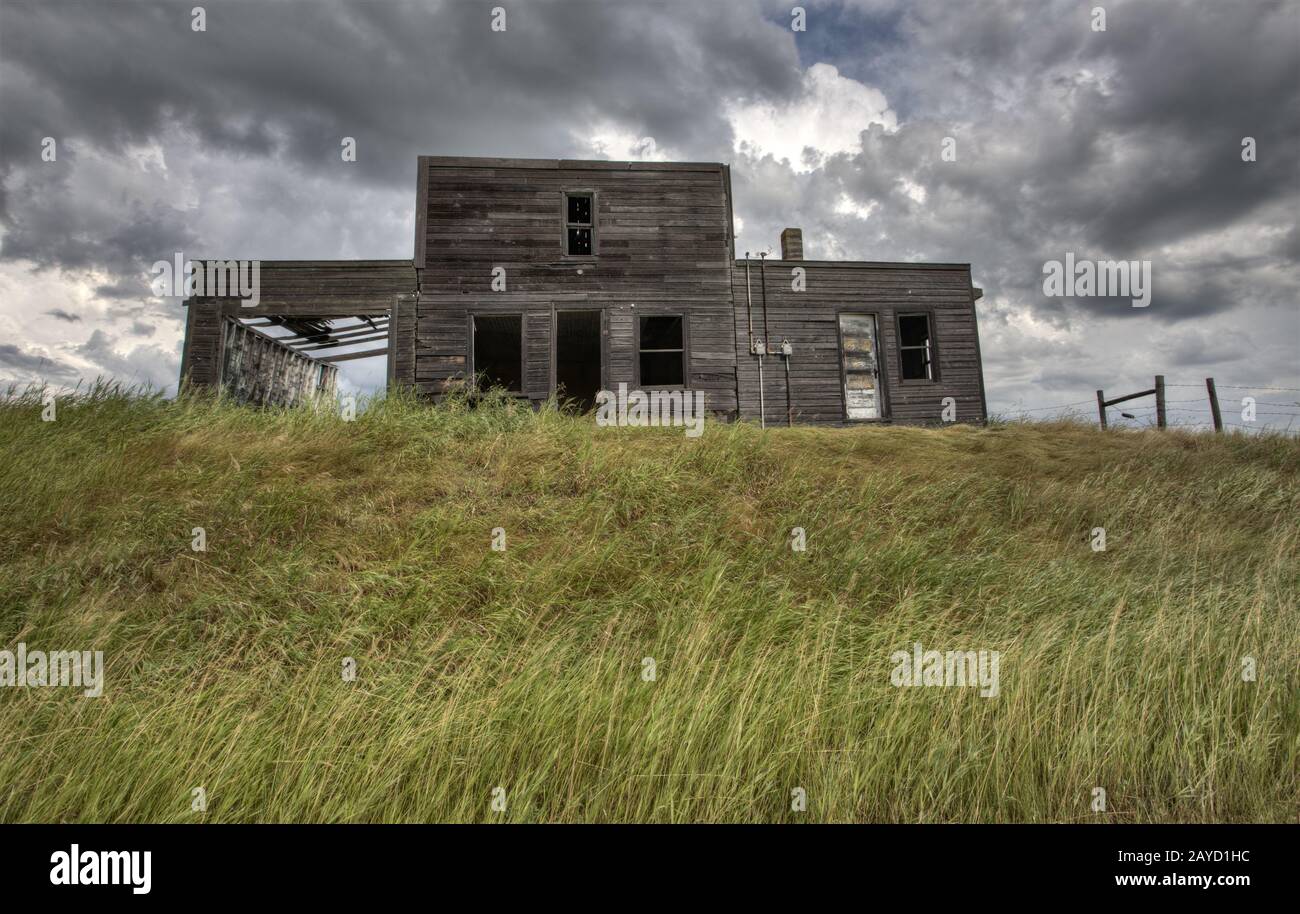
[(260, 370), (810, 321), (205, 323), (662, 244), (401, 340)]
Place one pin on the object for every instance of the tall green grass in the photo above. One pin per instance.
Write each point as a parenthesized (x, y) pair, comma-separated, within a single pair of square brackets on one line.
[(523, 669)]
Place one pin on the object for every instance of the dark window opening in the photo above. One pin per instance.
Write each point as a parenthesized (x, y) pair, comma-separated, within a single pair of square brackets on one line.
[(579, 241), (498, 351), (577, 357), (662, 351), (579, 224), (580, 208), (916, 347)]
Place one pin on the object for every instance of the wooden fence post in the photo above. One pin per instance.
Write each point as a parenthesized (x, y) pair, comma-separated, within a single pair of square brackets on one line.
[(1101, 408), (1214, 405), (1160, 401)]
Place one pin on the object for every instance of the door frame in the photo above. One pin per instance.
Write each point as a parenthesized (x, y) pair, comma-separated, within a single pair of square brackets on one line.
[(555, 343), (472, 368), (882, 381)]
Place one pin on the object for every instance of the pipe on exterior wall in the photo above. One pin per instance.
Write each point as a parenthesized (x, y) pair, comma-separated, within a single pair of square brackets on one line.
[(749, 304), (789, 410), (767, 338), (735, 319)]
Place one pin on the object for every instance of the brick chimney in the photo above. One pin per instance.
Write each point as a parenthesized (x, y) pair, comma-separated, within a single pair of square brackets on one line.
[(792, 244)]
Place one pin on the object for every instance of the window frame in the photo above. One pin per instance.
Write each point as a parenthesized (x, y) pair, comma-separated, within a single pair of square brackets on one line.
[(472, 358), (882, 371), (565, 224), (685, 350), (933, 362)]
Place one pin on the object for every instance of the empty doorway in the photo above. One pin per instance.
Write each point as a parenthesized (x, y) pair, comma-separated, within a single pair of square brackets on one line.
[(498, 348), (577, 357)]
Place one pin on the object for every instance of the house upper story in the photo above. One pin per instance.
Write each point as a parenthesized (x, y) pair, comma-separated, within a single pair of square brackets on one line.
[(565, 226)]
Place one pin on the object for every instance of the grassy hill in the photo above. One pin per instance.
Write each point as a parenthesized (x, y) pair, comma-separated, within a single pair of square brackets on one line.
[(526, 669)]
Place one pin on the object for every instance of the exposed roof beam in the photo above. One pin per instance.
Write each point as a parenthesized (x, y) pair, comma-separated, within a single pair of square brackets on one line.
[(352, 355), (351, 331), (338, 344)]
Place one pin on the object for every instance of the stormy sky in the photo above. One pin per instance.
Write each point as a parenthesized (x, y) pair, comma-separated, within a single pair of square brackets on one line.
[(1125, 144)]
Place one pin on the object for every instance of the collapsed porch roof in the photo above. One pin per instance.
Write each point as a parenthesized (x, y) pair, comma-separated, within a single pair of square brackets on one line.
[(308, 297)]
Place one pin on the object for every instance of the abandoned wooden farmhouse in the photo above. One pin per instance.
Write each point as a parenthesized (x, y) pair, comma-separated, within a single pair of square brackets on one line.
[(550, 277)]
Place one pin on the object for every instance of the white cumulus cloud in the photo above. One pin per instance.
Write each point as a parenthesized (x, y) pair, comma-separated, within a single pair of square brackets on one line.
[(827, 117)]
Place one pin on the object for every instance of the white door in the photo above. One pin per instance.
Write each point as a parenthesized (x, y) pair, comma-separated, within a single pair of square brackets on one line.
[(858, 355)]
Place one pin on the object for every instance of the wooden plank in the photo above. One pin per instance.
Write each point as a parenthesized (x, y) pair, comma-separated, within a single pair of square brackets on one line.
[(355, 330), (1214, 405), (1127, 397), (371, 338), (347, 356)]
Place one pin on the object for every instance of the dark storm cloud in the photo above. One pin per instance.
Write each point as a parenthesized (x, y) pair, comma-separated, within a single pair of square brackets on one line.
[(145, 365), (290, 80), (401, 77), (1194, 348), (32, 364), (1120, 144), (1190, 82), (63, 315), (54, 220)]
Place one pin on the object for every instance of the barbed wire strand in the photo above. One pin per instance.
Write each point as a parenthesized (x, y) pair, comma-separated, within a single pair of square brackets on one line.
[(1239, 387)]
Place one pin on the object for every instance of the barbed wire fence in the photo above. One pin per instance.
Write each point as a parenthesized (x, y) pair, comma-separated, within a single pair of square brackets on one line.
[(1194, 413)]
